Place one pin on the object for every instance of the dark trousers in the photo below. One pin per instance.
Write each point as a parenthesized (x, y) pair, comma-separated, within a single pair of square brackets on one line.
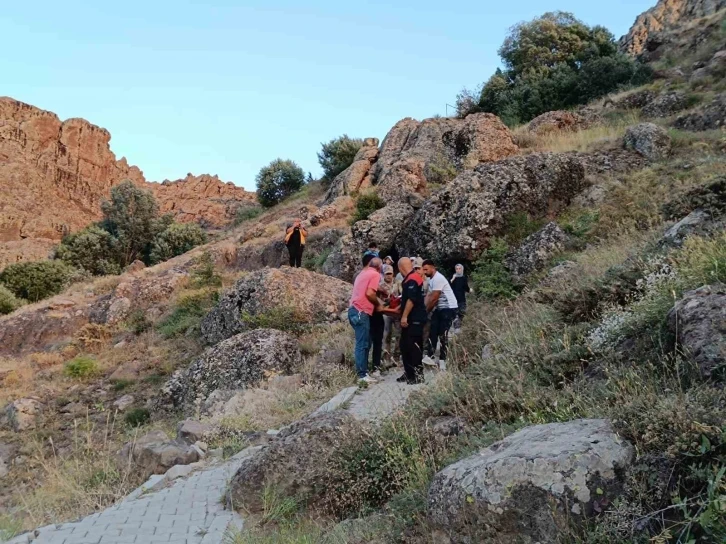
[(412, 352), (296, 253), (377, 327), (441, 321)]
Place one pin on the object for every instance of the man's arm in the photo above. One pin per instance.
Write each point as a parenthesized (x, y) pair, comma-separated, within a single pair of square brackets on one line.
[(432, 300), (406, 311), (372, 295)]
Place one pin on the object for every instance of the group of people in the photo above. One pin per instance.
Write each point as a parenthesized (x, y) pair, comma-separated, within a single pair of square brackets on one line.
[(419, 305)]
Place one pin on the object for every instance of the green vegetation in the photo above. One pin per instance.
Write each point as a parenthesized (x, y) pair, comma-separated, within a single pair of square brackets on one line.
[(8, 301), (365, 205), (120, 385), (314, 261), (490, 279), (277, 181), (177, 239), (337, 155), (81, 367), (246, 213), (137, 417), (553, 62), (37, 280), (282, 318), (204, 274), (9, 527), (131, 229), (187, 313)]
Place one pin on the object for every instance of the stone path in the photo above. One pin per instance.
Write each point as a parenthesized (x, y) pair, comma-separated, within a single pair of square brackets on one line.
[(191, 511)]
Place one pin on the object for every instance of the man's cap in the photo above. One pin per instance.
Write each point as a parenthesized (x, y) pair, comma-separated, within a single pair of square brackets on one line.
[(417, 262)]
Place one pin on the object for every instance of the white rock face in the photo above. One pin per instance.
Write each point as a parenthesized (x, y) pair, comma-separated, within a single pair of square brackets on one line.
[(525, 484)]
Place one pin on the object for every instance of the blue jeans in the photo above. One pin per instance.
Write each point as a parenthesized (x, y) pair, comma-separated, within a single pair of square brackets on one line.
[(361, 323)]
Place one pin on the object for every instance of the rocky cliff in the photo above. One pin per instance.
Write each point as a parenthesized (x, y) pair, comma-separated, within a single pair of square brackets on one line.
[(54, 174), (666, 15)]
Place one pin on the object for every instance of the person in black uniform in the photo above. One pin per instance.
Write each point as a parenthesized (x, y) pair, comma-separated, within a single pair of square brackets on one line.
[(413, 319), (295, 241)]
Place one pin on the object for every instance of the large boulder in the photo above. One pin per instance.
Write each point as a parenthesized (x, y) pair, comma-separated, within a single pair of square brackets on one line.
[(458, 222), (648, 139), (235, 363), (710, 117), (358, 175), (526, 487), (22, 414), (698, 320), (536, 251), (555, 121), (314, 298), (155, 453), (413, 153), (294, 464), (666, 105), (382, 227)]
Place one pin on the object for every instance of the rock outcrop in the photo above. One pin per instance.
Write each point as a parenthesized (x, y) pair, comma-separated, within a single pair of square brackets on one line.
[(415, 153), (536, 251), (155, 453), (294, 464), (458, 222), (202, 199), (236, 363), (699, 322), (358, 175), (665, 105), (648, 139), (307, 297), (22, 414), (664, 16), (524, 488), (554, 121), (712, 116)]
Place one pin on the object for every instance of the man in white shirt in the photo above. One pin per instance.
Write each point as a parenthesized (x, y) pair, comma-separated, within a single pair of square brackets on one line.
[(442, 302)]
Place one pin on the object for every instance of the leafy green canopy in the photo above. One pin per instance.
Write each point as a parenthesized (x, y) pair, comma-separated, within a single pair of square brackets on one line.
[(337, 155), (552, 62), (278, 180)]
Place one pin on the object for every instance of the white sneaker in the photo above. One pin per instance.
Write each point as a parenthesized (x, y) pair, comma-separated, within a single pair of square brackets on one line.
[(428, 361), (376, 374), (368, 379)]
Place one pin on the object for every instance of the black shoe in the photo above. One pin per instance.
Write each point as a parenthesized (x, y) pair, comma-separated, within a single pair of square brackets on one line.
[(402, 379)]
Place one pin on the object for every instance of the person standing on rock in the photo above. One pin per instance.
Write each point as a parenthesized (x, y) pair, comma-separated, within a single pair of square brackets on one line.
[(460, 286), (441, 301), (413, 319), (295, 241), (363, 302)]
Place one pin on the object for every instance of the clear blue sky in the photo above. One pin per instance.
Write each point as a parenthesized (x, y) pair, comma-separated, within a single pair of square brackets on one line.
[(223, 87)]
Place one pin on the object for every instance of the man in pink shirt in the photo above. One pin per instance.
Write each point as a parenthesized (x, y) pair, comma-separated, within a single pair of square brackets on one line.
[(363, 302)]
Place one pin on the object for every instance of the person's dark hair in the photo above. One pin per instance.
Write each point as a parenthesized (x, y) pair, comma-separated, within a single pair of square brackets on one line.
[(367, 259), (428, 262), (372, 245)]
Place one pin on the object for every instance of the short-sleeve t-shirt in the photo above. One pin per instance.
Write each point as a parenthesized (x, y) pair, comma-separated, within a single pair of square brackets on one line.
[(369, 278), (447, 299)]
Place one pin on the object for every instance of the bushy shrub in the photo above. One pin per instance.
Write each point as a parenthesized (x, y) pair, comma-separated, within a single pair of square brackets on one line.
[(365, 205), (553, 62), (93, 249), (136, 417), (282, 318), (337, 155), (245, 213), (37, 280), (188, 312), (81, 367), (176, 240), (278, 180), (203, 273), (8, 301), (490, 278)]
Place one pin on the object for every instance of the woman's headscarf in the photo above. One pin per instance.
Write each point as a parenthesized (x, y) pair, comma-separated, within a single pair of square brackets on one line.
[(458, 274)]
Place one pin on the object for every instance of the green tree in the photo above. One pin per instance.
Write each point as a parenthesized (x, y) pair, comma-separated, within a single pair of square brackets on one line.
[(176, 240), (37, 280), (93, 249), (131, 216), (277, 181), (8, 301), (337, 155)]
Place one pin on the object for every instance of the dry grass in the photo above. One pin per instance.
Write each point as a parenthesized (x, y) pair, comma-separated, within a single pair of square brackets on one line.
[(581, 140)]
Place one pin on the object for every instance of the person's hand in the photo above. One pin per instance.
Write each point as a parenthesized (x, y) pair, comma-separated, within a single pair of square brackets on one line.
[(404, 322)]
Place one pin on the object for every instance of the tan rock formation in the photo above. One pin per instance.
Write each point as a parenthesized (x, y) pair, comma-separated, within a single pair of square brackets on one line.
[(664, 16), (205, 199), (554, 121), (358, 175)]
